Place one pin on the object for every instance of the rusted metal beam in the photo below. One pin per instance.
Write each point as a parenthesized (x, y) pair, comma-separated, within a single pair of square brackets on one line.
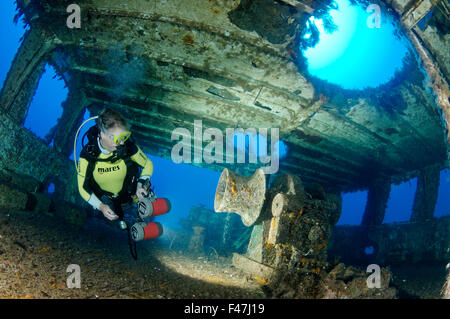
[(207, 105), (382, 142), (190, 125), (376, 204), (426, 194), (299, 5), (23, 76), (322, 166), (316, 175), (152, 135), (420, 8), (272, 102), (437, 81), (148, 120)]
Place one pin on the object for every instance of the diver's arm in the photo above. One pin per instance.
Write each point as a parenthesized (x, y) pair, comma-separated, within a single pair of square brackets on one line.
[(143, 161), (90, 198), (147, 170), (94, 201)]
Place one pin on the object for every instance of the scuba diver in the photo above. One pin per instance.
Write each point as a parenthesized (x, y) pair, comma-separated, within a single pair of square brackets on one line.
[(114, 172)]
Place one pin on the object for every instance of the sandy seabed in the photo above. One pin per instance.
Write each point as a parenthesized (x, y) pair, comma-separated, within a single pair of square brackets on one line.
[(36, 250)]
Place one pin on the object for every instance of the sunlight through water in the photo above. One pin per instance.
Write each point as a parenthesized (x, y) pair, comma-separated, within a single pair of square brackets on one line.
[(356, 55)]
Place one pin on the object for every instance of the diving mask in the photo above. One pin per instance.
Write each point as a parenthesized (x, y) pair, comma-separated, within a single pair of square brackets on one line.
[(119, 138)]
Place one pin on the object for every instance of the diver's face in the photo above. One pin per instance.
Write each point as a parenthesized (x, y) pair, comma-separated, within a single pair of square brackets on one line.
[(107, 138)]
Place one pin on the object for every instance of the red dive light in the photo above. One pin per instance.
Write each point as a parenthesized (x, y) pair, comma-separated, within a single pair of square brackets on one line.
[(142, 231), (153, 207)]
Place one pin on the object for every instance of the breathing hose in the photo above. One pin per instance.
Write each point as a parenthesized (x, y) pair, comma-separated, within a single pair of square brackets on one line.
[(75, 142), (132, 245)]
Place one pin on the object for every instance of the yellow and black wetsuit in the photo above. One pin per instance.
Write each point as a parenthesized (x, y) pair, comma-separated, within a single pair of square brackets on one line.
[(116, 179)]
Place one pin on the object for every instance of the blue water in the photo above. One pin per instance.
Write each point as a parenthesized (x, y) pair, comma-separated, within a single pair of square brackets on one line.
[(186, 185), (353, 205), (10, 35), (443, 201), (400, 203), (43, 107), (355, 56)]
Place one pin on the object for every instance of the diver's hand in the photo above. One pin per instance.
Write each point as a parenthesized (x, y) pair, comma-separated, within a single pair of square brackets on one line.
[(108, 212), (141, 192)]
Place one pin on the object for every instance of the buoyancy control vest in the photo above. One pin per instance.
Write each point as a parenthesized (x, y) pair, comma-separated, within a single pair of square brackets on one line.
[(91, 152)]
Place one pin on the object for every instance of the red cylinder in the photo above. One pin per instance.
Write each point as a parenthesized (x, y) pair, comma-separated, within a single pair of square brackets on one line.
[(142, 231), (152, 230), (161, 206)]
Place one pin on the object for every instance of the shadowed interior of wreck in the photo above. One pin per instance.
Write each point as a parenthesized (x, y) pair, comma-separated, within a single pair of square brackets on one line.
[(240, 64)]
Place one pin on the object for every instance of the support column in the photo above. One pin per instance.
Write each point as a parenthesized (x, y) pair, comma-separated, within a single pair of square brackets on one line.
[(437, 81), (376, 202), (23, 76), (72, 117), (426, 194)]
